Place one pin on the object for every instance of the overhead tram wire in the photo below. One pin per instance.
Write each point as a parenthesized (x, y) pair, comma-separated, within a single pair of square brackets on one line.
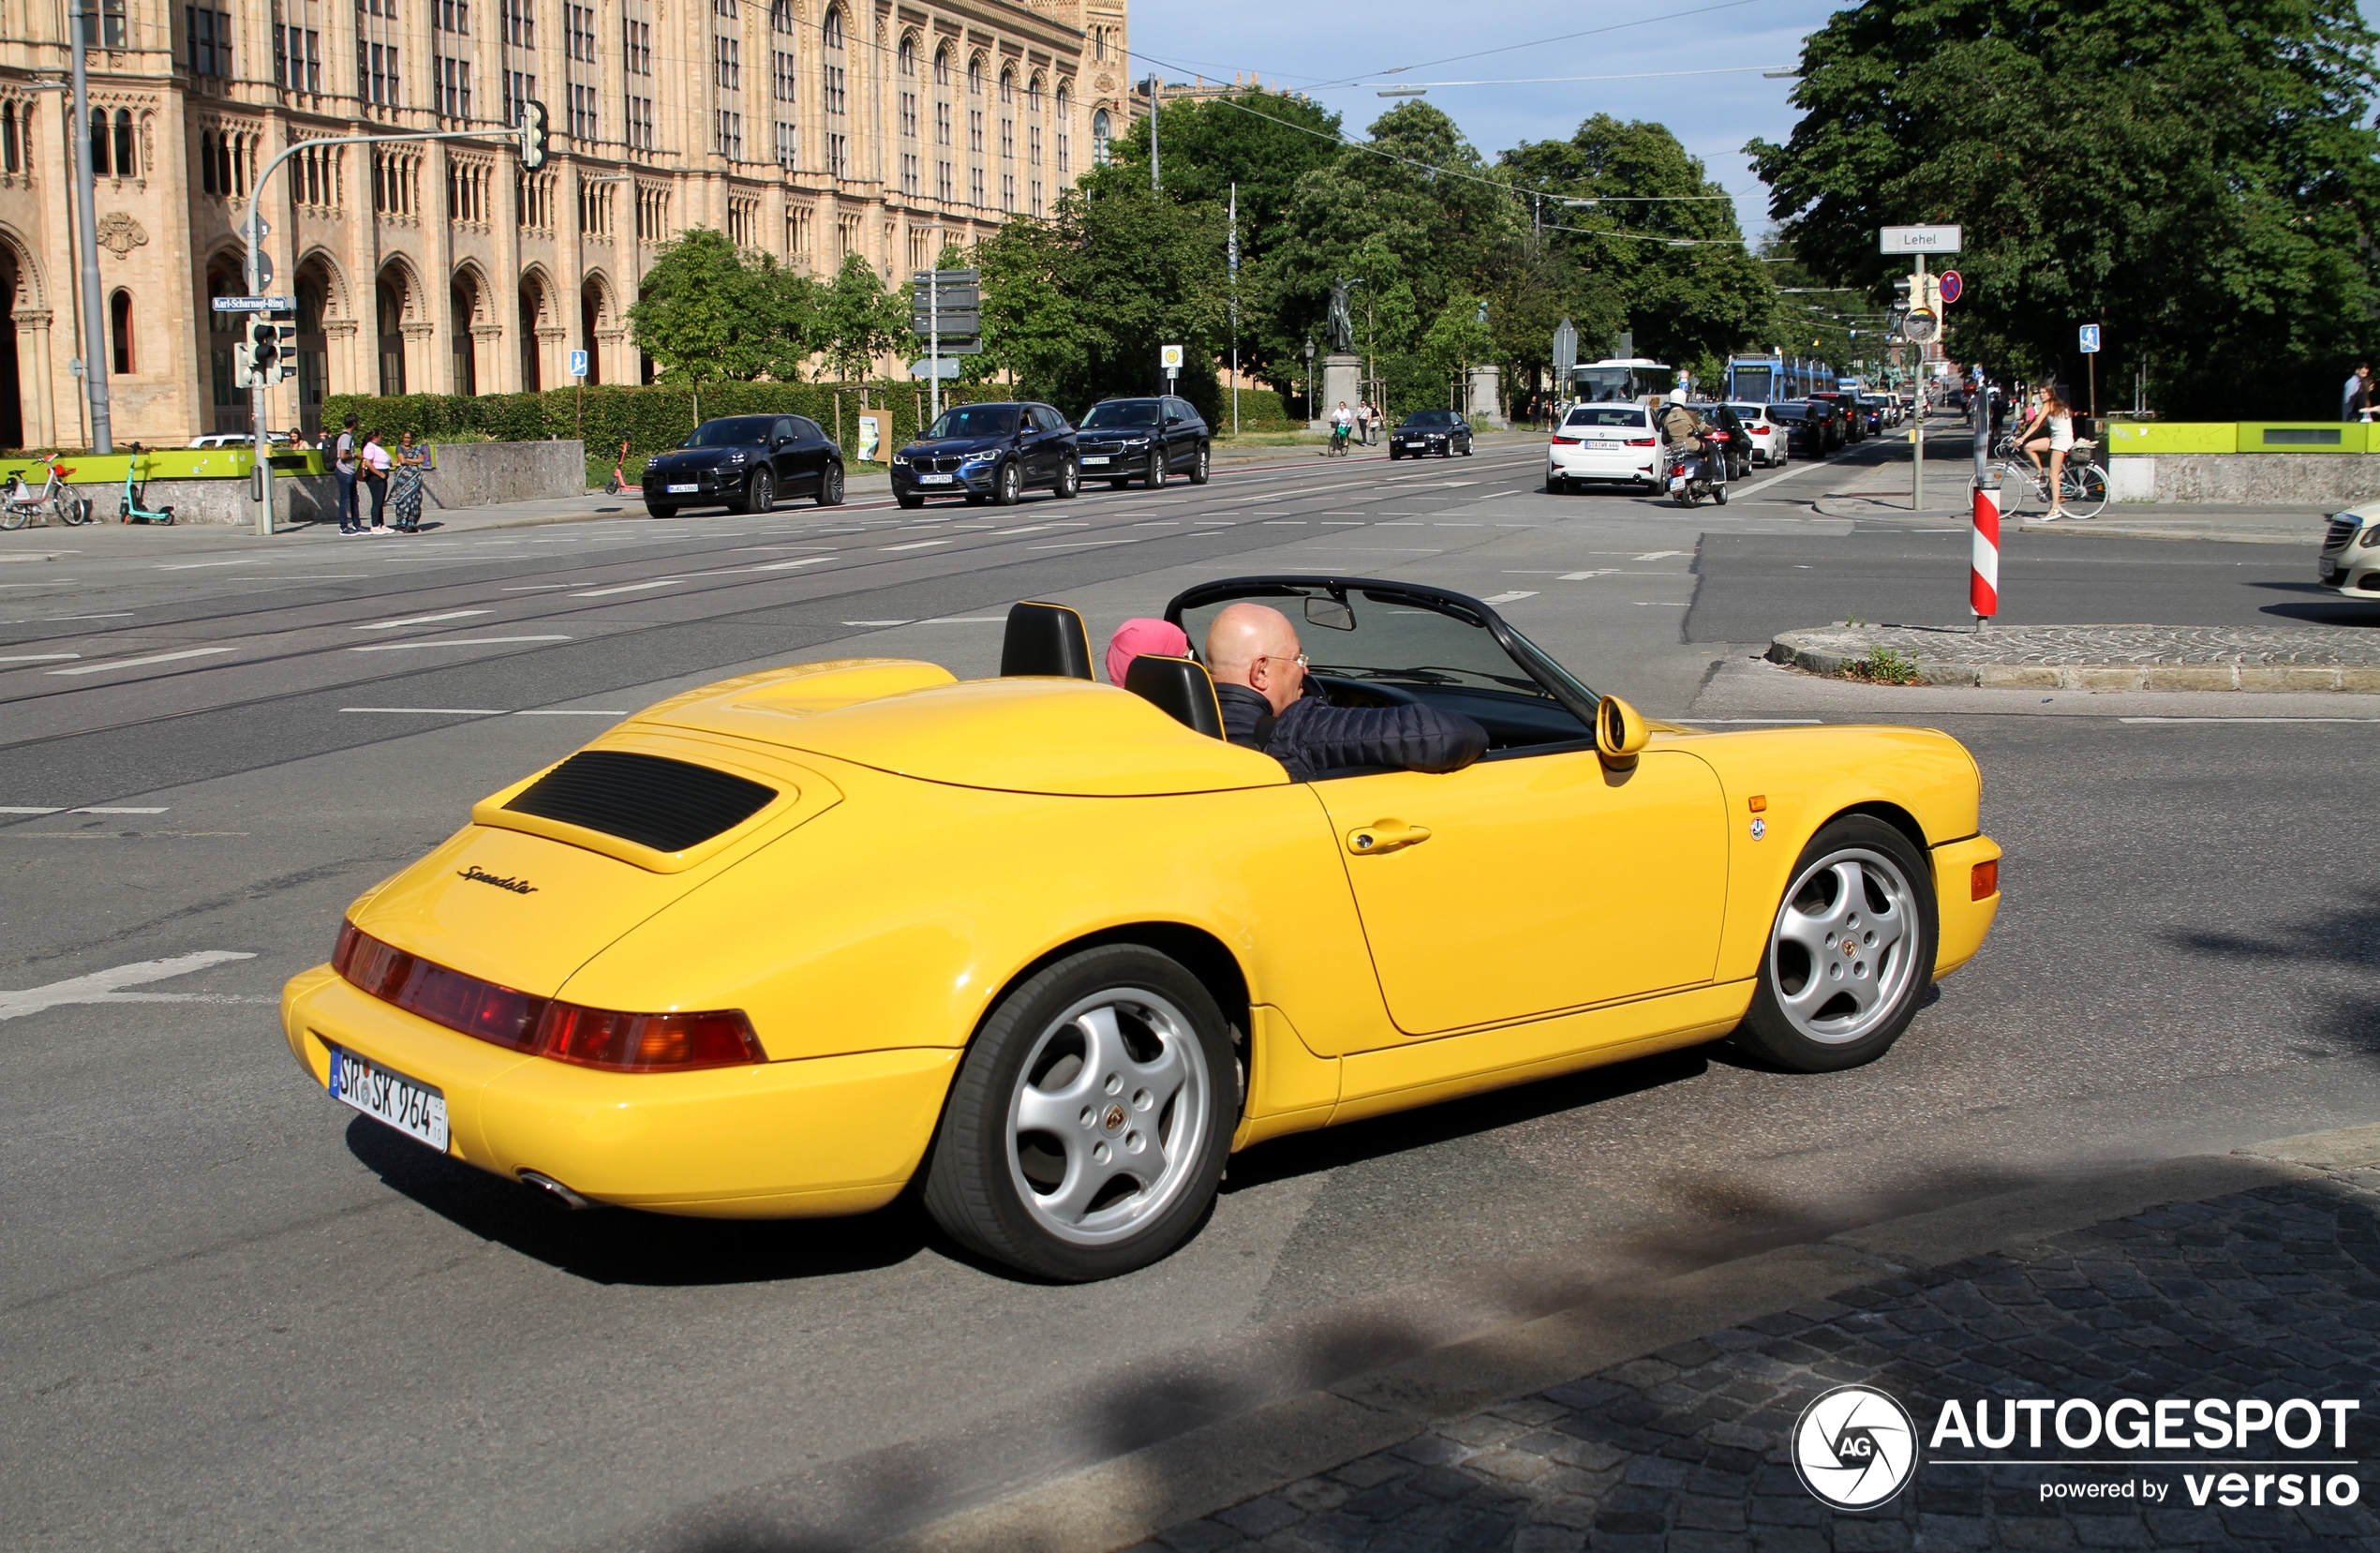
[(1511, 47)]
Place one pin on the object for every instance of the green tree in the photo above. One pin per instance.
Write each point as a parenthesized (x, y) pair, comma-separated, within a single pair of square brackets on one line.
[(860, 320), (2200, 178), (708, 314), (1654, 238)]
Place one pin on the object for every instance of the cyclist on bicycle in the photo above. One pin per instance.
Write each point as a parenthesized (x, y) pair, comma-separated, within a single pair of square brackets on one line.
[(1342, 423), (2053, 419)]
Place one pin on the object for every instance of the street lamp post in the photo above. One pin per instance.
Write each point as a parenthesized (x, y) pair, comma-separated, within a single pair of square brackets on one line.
[(94, 356)]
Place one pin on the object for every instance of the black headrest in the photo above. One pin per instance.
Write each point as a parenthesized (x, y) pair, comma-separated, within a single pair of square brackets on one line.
[(1180, 689), (1046, 639)]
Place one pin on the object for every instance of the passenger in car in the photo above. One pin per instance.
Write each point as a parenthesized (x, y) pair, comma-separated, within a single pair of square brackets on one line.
[(1141, 638), (1260, 682)]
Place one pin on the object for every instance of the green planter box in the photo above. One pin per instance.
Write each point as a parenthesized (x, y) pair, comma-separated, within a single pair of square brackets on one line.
[(165, 464)]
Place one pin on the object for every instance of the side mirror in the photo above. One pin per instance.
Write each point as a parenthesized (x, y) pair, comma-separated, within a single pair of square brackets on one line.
[(1620, 733)]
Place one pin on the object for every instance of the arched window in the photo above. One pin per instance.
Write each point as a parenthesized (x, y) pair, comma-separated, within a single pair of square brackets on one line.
[(909, 55), (1099, 132), (99, 142), (1066, 99), (942, 66), (1007, 85), (975, 76), (1032, 93), (127, 162), (120, 331), (834, 29)]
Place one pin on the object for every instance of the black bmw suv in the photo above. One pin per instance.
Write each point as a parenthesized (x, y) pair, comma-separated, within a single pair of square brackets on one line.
[(1144, 440), (988, 453), (746, 462)]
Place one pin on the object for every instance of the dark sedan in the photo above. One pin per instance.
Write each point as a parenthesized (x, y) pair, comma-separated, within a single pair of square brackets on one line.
[(1122, 440), (746, 462), (1443, 432), (988, 453), (1852, 424), (1805, 428)]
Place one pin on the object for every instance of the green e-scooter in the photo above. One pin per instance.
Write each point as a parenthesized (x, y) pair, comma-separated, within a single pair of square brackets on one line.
[(129, 510)]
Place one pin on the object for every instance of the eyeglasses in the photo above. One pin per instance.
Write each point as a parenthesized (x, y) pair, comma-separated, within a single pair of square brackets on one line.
[(1299, 660)]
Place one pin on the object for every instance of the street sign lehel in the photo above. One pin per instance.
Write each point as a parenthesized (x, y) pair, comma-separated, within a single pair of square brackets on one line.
[(1919, 239), (1953, 288)]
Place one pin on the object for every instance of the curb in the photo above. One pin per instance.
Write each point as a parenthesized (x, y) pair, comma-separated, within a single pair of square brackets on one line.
[(1128, 1499), (1830, 663)]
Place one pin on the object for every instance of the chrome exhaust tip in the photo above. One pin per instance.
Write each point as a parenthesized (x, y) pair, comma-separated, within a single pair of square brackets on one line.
[(555, 1190)]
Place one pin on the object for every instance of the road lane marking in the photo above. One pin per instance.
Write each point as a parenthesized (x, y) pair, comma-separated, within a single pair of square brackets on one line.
[(1764, 721), (458, 641), (570, 712), (435, 711), (422, 619), (114, 614), (41, 658), (1509, 598), (1582, 576), (1081, 544), (627, 588), (2247, 719), (537, 587), (194, 565), (880, 622), (916, 545), (767, 566), (108, 986), (1658, 555), (136, 662), (20, 809), (1028, 529)]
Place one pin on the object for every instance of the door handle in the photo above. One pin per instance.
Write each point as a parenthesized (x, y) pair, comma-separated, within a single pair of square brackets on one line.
[(1385, 836)]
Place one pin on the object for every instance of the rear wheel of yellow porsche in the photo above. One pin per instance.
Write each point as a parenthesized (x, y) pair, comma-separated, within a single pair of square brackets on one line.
[(1850, 954), (1089, 1124)]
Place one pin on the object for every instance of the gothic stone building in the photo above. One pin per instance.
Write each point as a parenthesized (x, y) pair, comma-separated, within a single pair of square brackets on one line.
[(810, 129)]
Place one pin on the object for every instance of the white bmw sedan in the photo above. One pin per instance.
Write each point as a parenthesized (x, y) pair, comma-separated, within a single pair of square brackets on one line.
[(1604, 442)]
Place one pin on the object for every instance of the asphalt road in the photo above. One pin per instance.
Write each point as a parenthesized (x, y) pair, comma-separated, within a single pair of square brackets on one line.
[(241, 1316)]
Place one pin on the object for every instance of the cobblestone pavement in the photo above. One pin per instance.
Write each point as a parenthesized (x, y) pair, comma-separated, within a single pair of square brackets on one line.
[(2272, 1294), (2106, 657)]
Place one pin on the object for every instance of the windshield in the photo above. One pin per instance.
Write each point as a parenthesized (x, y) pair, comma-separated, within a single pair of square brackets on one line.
[(1429, 418), (976, 421), (1784, 412), (1605, 416), (735, 431), (1122, 412), (1601, 385)]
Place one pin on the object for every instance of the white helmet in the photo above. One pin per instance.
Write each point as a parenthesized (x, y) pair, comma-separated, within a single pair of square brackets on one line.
[(1677, 396)]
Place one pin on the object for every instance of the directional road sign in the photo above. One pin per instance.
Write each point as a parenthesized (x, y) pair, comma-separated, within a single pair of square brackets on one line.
[(948, 364), (1951, 287), (951, 323), (2089, 339)]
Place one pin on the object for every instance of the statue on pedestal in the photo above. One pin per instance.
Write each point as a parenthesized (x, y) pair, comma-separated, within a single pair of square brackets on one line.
[(1342, 323)]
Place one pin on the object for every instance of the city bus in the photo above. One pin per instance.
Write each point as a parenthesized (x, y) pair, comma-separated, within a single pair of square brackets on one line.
[(1630, 380), (1776, 379)]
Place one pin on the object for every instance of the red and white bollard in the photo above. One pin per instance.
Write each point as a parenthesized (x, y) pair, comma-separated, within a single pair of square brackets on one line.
[(1983, 579)]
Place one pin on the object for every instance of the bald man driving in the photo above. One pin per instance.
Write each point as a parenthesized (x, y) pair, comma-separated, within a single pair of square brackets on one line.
[(1260, 679)]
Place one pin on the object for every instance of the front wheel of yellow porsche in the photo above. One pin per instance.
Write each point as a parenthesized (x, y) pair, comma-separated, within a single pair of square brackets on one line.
[(1089, 1124), (1850, 951)]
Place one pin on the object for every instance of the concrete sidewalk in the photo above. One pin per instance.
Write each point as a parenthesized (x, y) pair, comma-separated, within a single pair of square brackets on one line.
[(2097, 657), (1658, 1416)]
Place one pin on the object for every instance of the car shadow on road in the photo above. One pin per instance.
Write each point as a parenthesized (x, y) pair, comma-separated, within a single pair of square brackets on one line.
[(2320, 606), (621, 1246)]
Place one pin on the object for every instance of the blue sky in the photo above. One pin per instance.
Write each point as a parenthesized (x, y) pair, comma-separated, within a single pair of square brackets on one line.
[(1318, 48)]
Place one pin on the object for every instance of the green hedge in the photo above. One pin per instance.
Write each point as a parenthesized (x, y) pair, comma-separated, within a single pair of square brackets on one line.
[(652, 419)]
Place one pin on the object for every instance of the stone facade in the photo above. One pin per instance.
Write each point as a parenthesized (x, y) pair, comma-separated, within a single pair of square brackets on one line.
[(807, 128)]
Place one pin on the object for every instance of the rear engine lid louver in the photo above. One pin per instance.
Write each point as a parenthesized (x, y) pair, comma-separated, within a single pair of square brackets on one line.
[(668, 805)]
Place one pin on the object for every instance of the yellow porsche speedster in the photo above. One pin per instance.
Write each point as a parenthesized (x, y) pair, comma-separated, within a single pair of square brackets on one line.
[(779, 946)]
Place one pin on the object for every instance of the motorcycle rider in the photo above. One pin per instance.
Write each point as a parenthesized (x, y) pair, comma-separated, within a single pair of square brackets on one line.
[(1683, 429)]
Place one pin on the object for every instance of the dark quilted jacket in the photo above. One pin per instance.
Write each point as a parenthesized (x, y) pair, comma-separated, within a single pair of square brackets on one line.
[(1314, 737)]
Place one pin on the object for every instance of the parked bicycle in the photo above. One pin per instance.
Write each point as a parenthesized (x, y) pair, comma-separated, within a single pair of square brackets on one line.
[(2082, 486), (19, 503)]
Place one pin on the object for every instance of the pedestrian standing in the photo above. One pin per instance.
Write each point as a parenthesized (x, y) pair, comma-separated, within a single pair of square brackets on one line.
[(2356, 398), (405, 491), (1365, 418), (376, 475), (342, 471)]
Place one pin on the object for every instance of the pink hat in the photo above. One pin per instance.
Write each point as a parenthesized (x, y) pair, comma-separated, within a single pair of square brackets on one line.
[(1143, 639)]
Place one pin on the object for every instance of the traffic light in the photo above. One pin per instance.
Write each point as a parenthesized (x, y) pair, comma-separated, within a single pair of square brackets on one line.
[(264, 351), (532, 136)]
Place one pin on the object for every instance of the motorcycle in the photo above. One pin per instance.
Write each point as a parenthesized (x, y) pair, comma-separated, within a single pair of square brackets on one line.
[(1695, 475)]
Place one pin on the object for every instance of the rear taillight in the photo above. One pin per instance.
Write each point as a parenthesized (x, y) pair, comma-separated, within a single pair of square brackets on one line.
[(608, 1038), (1640, 442), (1567, 441), (644, 1043)]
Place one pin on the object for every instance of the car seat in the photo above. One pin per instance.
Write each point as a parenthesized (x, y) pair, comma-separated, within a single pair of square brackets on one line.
[(1046, 639), (1180, 688)]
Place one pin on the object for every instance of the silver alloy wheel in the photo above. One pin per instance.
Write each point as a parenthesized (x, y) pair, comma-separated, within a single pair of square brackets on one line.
[(761, 495), (1111, 1105), (1840, 954)]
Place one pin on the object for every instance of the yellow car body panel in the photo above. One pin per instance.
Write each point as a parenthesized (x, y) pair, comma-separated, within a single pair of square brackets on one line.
[(933, 842)]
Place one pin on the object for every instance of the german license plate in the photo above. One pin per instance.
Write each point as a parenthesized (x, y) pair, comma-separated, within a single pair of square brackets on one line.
[(683, 490), (1095, 457), (937, 479), (1417, 442), (384, 1095)]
